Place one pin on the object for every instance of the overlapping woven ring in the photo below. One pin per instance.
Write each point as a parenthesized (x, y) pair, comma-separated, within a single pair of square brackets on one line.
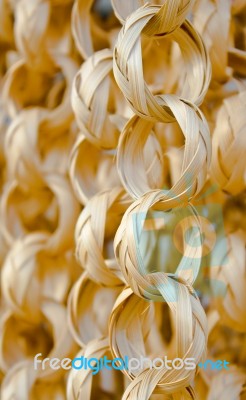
[(128, 68), (190, 337), (18, 220), (197, 150), (128, 247), (91, 169), (92, 84), (88, 321), (94, 233)]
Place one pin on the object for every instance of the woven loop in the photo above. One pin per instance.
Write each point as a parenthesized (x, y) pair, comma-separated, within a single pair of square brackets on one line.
[(54, 339), (196, 158), (80, 382), (94, 232), (86, 176), (33, 153), (212, 20), (232, 274), (32, 20), (47, 24), (229, 145), (126, 339), (88, 35), (128, 68), (41, 276), (12, 385), (22, 209), (105, 158), (92, 84), (130, 252), (25, 87), (88, 320), (22, 257)]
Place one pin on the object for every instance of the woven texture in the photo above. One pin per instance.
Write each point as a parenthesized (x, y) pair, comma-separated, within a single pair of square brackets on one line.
[(123, 196)]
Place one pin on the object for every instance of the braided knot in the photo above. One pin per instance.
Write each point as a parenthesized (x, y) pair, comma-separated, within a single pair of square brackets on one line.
[(229, 145), (128, 67)]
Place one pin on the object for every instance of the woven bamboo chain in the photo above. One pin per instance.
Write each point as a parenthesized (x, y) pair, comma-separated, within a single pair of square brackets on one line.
[(122, 196)]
